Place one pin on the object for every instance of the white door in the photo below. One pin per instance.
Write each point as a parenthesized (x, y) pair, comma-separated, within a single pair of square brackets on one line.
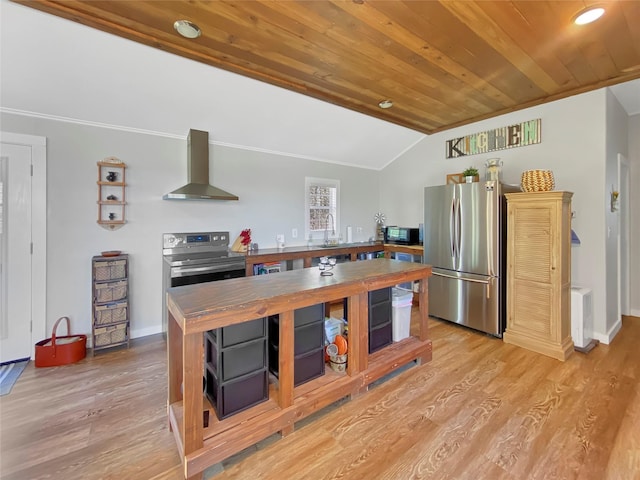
[(15, 252), (623, 236)]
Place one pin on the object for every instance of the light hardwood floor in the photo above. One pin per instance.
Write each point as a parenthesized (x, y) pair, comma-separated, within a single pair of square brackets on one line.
[(480, 410)]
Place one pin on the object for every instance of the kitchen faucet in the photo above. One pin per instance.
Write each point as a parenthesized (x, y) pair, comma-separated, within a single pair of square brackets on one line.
[(326, 229)]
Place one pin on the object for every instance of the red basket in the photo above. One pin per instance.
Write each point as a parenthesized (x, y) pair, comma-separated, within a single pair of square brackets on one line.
[(56, 351)]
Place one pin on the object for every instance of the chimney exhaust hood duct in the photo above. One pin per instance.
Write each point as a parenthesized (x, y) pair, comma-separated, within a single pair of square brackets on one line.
[(198, 187)]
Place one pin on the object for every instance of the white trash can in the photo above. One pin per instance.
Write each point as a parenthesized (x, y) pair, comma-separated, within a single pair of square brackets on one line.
[(401, 314)]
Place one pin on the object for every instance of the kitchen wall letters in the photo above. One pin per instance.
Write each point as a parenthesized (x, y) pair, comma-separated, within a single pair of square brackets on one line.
[(519, 135)]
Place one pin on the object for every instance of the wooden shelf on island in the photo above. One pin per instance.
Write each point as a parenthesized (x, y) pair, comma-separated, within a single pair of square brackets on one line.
[(223, 438)]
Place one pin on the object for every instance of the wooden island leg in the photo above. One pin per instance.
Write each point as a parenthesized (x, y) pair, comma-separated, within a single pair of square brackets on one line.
[(192, 372), (174, 362), (423, 306), (358, 340), (285, 365)]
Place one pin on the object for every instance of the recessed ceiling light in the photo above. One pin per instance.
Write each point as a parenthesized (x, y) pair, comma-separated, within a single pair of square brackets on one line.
[(187, 29), (589, 15), (385, 104)]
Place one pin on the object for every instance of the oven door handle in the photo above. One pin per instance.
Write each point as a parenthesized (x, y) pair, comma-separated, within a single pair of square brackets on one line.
[(183, 271)]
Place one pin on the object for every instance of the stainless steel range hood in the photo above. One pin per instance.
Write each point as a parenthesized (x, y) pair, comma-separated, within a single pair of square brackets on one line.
[(198, 187)]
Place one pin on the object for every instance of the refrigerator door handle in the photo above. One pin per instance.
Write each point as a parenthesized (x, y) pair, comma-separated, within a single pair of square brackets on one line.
[(458, 228), (452, 214), (472, 280)]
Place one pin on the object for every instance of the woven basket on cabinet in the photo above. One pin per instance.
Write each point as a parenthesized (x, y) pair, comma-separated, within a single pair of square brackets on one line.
[(537, 181)]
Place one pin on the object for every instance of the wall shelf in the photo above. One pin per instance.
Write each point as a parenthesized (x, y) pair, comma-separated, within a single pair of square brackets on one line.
[(111, 193)]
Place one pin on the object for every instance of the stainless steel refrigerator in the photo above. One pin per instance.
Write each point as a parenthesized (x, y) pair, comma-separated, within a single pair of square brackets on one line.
[(464, 228)]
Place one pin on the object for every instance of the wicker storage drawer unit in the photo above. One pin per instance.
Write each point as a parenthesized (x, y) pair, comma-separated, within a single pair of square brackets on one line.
[(111, 270), (111, 292), (110, 313), (114, 334), (110, 286)]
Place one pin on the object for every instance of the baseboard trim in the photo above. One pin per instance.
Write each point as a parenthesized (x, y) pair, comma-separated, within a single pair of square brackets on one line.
[(610, 335), (144, 332), (635, 313)]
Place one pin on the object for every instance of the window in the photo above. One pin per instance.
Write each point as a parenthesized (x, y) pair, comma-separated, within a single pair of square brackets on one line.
[(322, 197)]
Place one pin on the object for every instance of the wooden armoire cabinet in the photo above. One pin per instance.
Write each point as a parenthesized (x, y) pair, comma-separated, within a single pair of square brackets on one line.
[(539, 272)]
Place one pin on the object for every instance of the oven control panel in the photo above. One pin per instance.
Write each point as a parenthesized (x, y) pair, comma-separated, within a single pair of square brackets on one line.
[(197, 239)]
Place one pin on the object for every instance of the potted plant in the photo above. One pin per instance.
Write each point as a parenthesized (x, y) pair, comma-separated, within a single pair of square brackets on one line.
[(470, 174)]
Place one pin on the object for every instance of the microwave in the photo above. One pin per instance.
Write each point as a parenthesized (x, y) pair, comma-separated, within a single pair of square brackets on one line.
[(402, 235)]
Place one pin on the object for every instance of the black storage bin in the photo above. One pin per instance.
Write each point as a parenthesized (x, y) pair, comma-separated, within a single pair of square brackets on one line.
[(240, 332), (307, 322), (380, 319), (310, 314), (305, 338), (274, 359), (379, 314), (306, 367), (308, 337), (379, 296), (233, 362), (237, 395), (236, 366), (308, 343), (380, 337), (301, 317)]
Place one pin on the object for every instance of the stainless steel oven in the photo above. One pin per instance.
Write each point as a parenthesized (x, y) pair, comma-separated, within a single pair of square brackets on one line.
[(191, 258)]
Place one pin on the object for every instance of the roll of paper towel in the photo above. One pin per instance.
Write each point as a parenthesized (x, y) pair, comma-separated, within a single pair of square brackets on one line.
[(349, 234)]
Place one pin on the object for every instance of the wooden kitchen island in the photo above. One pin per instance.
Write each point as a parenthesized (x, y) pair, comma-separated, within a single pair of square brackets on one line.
[(195, 309)]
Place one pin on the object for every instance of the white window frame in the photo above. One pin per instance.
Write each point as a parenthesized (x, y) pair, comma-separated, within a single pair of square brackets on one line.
[(318, 234)]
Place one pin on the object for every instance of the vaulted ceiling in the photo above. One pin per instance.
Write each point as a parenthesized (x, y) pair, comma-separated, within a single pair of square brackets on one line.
[(442, 64)]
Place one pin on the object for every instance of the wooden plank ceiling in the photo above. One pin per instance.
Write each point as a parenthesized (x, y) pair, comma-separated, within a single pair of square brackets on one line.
[(442, 64)]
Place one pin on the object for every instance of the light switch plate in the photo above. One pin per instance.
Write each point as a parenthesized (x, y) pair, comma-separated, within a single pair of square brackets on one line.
[(280, 238)]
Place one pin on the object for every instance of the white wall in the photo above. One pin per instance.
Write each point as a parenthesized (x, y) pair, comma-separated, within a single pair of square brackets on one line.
[(634, 208), (270, 187), (573, 146)]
